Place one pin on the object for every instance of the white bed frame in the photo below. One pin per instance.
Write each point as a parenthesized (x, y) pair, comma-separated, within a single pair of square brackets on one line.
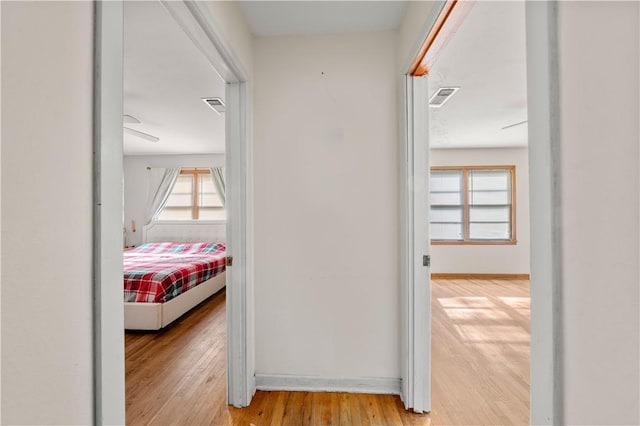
[(154, 316)]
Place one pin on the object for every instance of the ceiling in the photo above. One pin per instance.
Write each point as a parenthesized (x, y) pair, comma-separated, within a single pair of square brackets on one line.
[(270, 18), (165, 77), (486, 58)]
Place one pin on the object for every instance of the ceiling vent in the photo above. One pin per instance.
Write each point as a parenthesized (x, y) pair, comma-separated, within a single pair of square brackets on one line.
[(216, 104), (441, 96)]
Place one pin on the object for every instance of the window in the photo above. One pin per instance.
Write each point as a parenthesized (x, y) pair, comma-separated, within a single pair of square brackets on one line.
[(473, 205), (193, 197)]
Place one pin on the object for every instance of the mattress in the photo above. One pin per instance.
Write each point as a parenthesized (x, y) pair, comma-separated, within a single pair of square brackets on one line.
[(158, 272)]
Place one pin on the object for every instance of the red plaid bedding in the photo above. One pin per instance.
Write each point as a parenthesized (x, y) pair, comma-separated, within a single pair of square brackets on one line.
[(158, 272)]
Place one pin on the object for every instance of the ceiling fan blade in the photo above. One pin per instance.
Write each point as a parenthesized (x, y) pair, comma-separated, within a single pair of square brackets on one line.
[(141, 135), (514, 124), (128, 119)]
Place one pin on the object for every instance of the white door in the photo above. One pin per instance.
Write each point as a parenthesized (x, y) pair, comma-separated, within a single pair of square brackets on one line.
[(416, 297)]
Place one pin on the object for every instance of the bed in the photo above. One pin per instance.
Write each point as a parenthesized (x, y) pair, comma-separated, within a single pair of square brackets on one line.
[(163, 276)]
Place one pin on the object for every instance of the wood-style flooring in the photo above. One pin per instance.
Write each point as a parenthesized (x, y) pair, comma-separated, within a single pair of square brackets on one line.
[(480, 369), (480, 339)]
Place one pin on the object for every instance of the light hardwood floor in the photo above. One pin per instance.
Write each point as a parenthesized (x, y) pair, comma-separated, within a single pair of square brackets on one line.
[(480, 352), (480, 369)]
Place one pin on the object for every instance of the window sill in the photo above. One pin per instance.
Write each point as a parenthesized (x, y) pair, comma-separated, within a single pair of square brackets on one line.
[(474, 243)]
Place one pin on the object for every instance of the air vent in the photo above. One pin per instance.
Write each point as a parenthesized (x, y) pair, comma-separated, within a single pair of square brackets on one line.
[(441, 96), (216, 104)]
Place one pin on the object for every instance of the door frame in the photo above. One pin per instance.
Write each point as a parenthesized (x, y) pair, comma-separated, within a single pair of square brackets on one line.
[(546, 398), (416, 283), (108, 310), (197, 22), (543, 107)]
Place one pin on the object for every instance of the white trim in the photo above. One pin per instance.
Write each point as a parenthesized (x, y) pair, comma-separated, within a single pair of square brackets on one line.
[(198, 24), (546, 403), (416, 289), (0, 214), (107, 201), (184, 18), (377, 385), (415, 356), (239, 328), (210, 26)]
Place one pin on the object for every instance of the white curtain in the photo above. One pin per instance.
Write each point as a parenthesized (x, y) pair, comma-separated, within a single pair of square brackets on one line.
[(218, 179), (161, 194)]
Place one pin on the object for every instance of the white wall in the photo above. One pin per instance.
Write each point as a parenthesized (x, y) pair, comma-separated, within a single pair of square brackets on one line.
[(487, 259), (599, 178), (326, 215), (137, 184), (46, 213), (0, 218)]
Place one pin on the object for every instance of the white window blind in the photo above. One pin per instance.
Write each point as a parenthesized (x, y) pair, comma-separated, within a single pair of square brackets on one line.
[(489, 204), (447, 222), (180, 202), (209, 204), (193, 197), (472, 204)]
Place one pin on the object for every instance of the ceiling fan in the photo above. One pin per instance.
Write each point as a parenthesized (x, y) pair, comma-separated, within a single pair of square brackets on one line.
[(514, 124), (129, 119)]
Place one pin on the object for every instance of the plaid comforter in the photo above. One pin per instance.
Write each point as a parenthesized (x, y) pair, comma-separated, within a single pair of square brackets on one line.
[(158, 272)]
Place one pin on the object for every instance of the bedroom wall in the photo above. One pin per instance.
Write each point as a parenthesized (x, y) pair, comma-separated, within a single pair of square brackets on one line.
[(137, 188), (326, 215), (479, 259), (600, 210), (47, 347)]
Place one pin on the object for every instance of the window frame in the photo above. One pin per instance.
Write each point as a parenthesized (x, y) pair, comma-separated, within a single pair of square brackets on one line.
[(465, 206), (195, 207)]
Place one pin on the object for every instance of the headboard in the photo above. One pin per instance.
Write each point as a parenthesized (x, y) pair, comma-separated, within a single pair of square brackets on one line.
[(185, 231)]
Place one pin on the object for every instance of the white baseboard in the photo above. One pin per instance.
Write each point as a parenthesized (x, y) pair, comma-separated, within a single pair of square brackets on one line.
[(281, 382), (252, 386)]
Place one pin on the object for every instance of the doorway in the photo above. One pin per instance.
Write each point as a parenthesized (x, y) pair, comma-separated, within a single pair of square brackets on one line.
[(545, 372), (479, 205), (174, 220), (194, 19)]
